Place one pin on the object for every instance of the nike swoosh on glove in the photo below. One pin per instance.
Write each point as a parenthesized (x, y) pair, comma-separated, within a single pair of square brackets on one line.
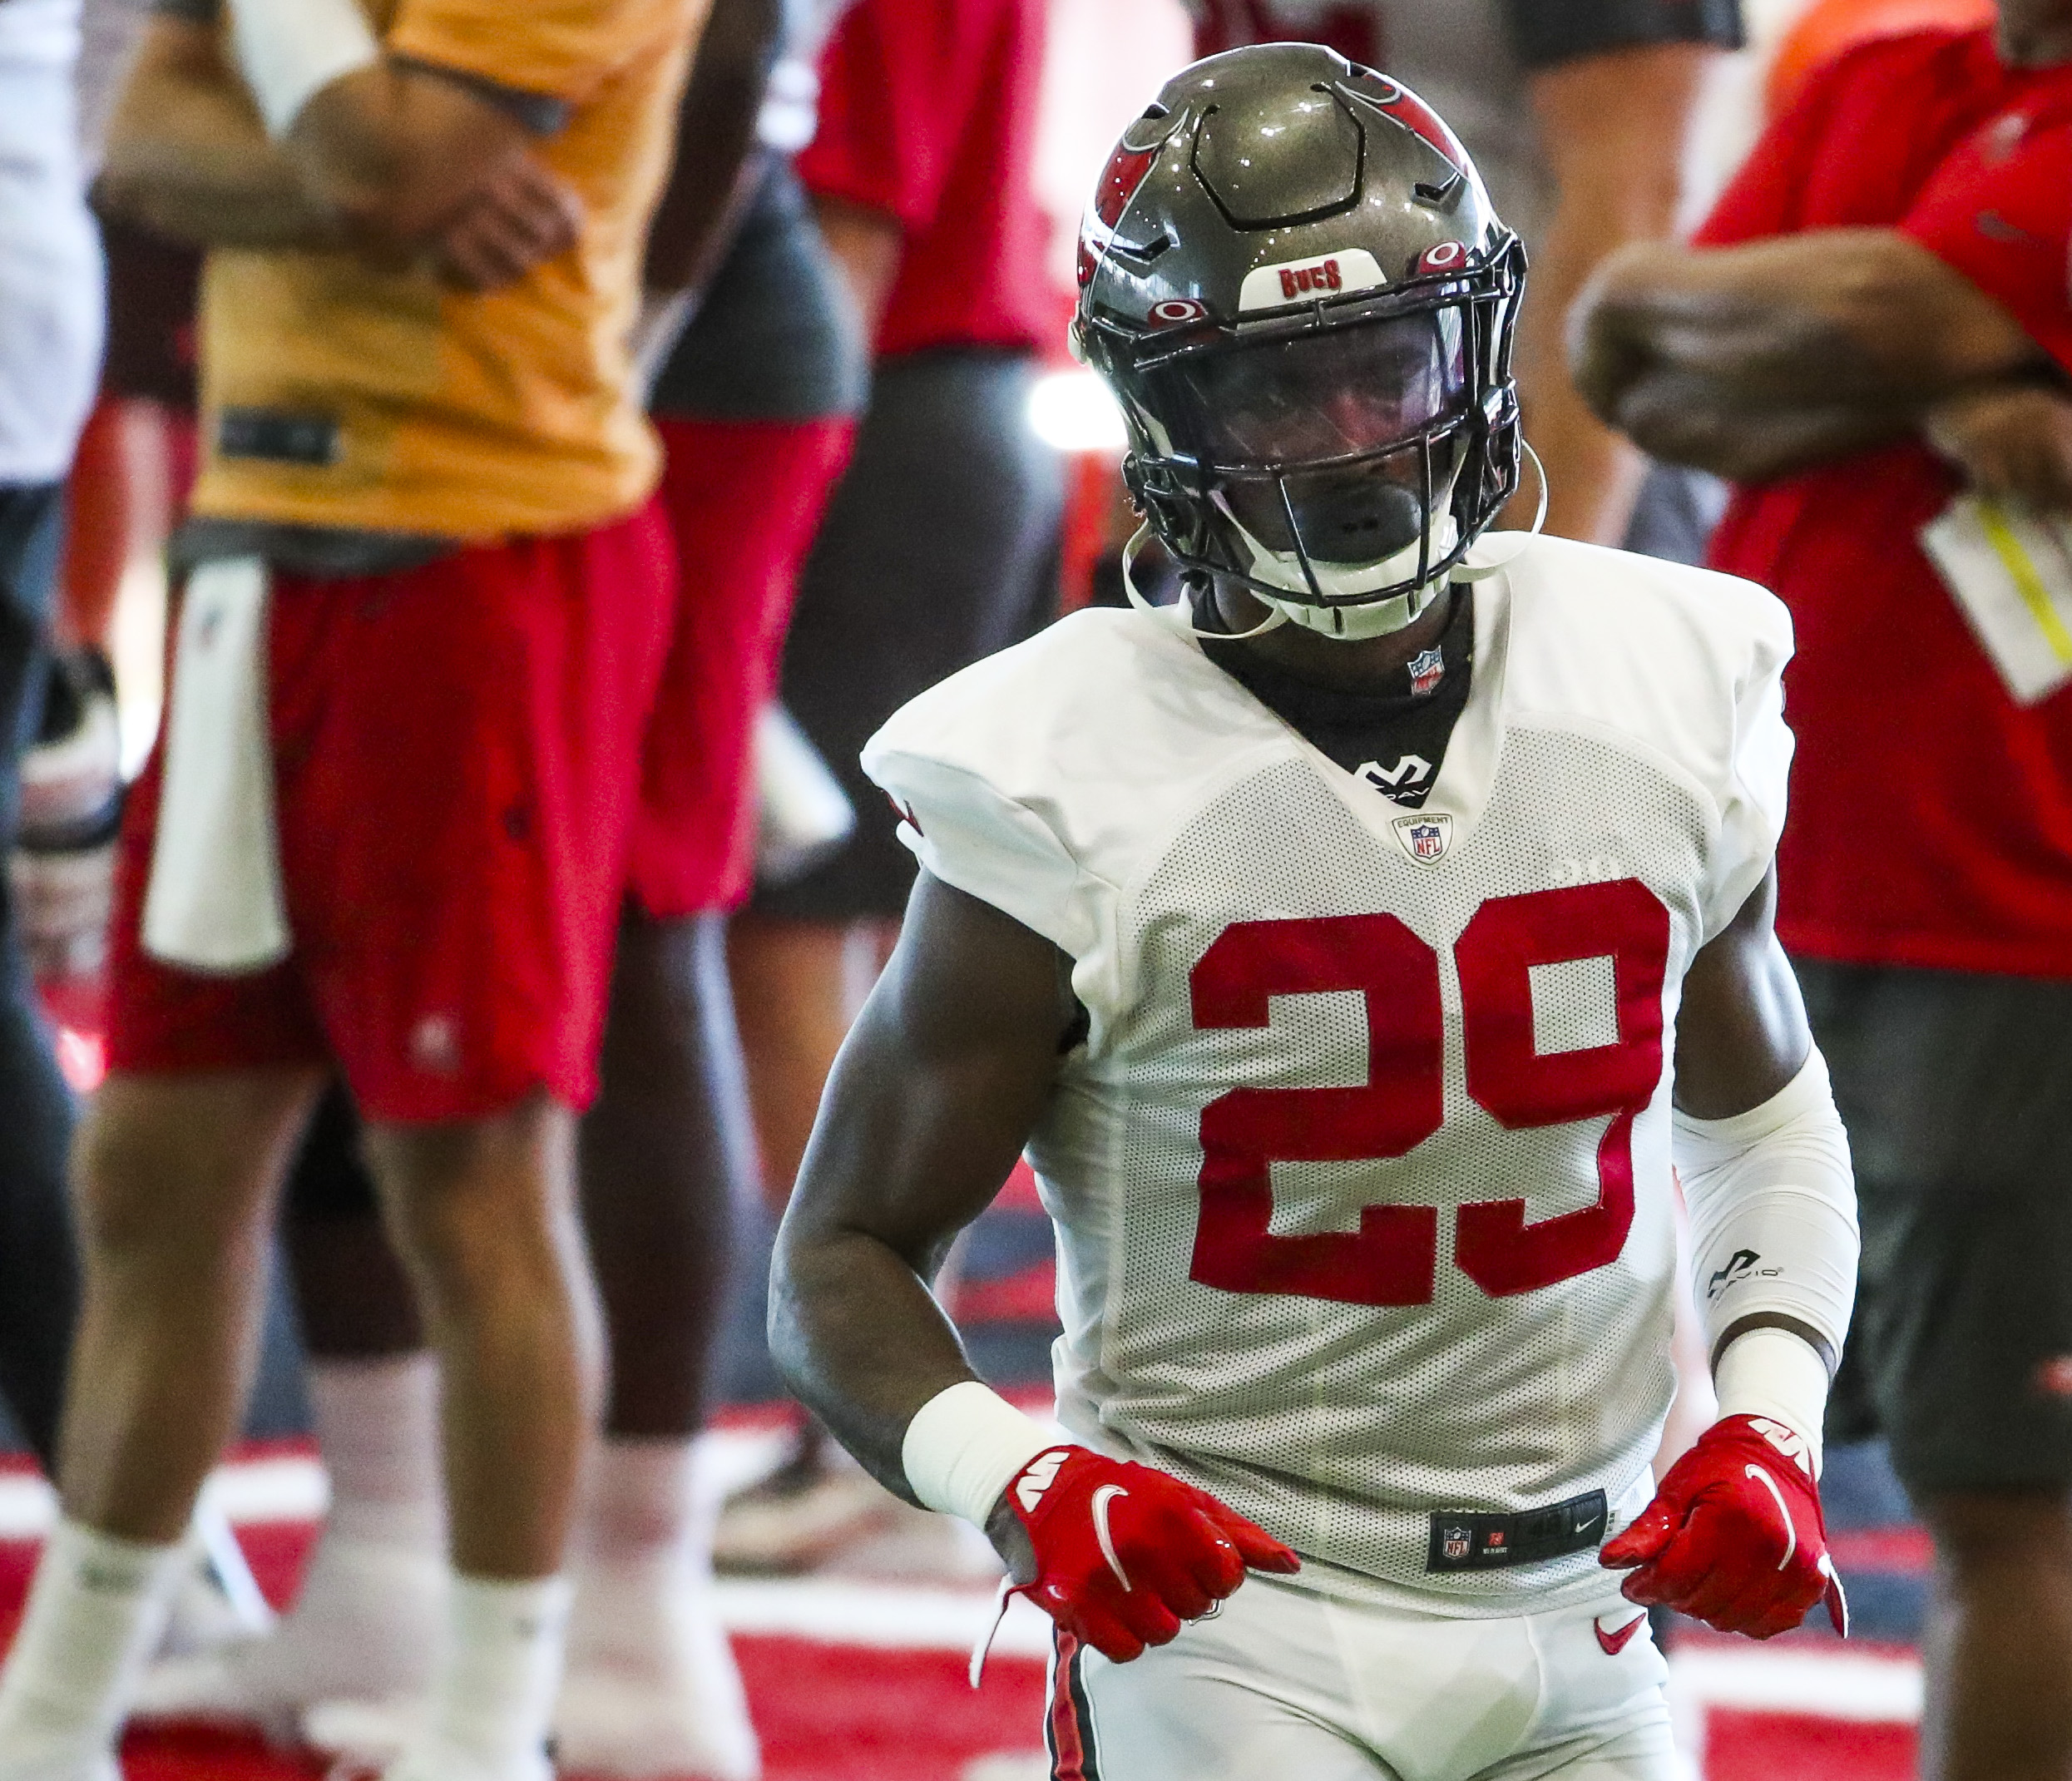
[(1124, 1553), (1734, 1537)]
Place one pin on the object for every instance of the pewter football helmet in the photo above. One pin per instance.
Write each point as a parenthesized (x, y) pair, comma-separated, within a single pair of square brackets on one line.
[(1294, 282)]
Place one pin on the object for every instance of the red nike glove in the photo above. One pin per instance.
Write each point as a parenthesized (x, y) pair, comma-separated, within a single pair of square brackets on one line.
[(1734, 1537), (1125, 1553)]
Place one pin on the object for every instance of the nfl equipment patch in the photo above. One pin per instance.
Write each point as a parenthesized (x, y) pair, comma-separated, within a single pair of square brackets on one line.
[(1425, 838), (1427, 668)]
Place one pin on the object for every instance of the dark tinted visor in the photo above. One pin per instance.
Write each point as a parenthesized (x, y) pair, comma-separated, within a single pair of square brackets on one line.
[(1314, 397)]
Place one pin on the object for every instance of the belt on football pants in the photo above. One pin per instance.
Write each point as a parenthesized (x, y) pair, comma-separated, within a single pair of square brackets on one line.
[(1468, 1540)]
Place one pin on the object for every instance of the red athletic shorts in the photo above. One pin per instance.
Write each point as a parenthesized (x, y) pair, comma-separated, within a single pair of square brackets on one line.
[(743, 499), (456, 753)]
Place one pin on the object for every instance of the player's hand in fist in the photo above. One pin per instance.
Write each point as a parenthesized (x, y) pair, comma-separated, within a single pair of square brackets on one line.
[(1119, 1554), (1734, 1537)]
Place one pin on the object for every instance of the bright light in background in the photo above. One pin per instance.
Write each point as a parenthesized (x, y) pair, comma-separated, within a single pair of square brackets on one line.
[(1072, 411)]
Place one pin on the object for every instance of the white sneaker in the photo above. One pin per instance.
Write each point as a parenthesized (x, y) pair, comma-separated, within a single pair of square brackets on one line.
[(429, 1760), (652, 1691), (99, 1765), (367, 1628), (218, 1604), (364, 1736), (800, 1518)]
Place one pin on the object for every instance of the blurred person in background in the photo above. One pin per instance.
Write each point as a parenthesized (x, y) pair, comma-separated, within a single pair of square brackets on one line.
[(428, 611), (1871, 335), (1828, 28), (50, 321), (753, 405), (938, 547), (940, 544)]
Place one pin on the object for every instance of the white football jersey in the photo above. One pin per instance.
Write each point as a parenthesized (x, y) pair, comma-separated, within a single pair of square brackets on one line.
[(1361, 1177)]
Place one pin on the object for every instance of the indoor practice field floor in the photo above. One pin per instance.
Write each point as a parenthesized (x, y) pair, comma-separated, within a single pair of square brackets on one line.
[(860, 1678)]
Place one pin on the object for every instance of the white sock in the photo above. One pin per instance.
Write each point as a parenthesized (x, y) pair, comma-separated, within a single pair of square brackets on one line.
[(94, 1616), (640, 1508), (498, 1677), (368, 1620), (377, 1425), (645, 1545)]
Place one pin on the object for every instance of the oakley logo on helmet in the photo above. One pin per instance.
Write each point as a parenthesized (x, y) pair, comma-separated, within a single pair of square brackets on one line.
[(1176, 312), (1448, 256), (1352, 269)]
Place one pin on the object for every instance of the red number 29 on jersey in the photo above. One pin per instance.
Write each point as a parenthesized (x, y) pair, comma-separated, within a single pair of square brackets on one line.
[(1392, 1258)]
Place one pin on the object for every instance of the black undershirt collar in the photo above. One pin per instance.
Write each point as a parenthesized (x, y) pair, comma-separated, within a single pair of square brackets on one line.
[(1392, 737)]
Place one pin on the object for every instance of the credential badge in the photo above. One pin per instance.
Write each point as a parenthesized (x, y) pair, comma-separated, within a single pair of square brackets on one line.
[(1425, 838)]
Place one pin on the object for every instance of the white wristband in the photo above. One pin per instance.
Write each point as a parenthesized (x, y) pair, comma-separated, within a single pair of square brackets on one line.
[(1773, 1373), (291, 49), (964, 1447)]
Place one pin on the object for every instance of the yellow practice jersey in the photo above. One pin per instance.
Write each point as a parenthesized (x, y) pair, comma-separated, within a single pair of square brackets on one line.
[(336, 395)]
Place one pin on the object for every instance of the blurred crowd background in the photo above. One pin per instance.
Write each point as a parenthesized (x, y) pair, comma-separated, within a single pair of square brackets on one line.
[(908, 314), (880, 463)]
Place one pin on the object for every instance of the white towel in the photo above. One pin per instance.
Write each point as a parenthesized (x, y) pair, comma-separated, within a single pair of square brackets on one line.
[(215, 900)]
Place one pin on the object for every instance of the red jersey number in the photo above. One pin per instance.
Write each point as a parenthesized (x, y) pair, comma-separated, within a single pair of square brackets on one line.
[(1392, 1258)]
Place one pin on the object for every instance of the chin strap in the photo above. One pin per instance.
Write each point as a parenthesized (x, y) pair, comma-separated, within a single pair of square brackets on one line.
[(1275, 617), (1482, 572), (1278, 615)]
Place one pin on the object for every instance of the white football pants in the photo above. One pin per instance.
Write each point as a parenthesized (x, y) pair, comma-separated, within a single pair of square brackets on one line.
[(1282, 1685)]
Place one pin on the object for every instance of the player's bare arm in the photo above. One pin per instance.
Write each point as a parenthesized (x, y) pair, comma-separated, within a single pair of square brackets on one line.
[(416, 161), (937, 1088), (943, 1077), (398, 161), (1757, 360)]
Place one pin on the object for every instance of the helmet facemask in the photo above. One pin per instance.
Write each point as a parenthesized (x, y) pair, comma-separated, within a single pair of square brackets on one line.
[(1337, 467)]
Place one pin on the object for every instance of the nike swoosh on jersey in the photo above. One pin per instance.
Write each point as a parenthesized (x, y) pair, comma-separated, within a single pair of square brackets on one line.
[(1612, 1643)]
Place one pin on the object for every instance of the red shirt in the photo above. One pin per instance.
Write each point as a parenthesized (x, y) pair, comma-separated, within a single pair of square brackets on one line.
[(928, 112), (1931, 819)]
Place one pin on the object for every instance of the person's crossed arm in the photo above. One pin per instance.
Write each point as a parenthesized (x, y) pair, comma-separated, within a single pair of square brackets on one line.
[(1758, 360), (1782, 348), (398, 161)]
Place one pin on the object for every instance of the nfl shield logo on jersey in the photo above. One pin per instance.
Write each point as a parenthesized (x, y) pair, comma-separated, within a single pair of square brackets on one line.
[(1427, 668), (1455, 1542), (1425, 838)]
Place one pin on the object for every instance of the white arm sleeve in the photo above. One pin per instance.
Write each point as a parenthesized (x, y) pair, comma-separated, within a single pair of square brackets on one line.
[(1773, 1225)]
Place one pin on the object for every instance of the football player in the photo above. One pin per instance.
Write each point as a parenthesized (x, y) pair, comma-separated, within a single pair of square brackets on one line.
[(1353, 946)]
